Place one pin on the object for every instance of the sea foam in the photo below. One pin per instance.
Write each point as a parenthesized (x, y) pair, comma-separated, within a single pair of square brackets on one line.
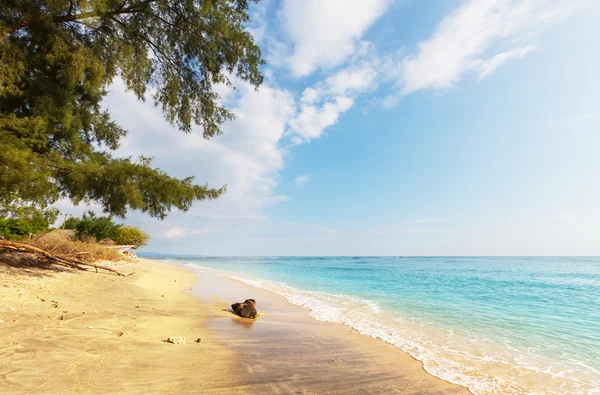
[(533, 316), (435, 350)]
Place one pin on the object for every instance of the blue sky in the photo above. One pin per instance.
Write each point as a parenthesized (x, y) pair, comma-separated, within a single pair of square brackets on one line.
[(423, 127)]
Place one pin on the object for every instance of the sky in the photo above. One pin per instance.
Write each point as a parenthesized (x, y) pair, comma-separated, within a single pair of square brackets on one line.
[(394, 127)]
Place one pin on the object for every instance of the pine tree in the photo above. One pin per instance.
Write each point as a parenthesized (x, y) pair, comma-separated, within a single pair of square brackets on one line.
[(57, 60)]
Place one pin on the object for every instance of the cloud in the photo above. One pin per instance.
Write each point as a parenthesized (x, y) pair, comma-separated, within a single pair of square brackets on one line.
[(312, 120), (487, 67), (322, 104), (247, 157), (258, 16), (301, 180), (175, 233), (323, 34), (182, 233), (461, 42), (250, 154)]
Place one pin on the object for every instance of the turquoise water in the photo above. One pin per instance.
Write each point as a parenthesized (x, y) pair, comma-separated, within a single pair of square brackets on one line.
[(495, 325)]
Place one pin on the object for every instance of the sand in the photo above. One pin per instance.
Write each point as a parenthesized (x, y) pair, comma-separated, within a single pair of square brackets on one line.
[(47, 348), (86, 332), (286, 351)]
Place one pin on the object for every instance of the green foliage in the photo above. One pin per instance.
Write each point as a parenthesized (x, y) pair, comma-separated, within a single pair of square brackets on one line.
[(71, 223), (57, 59), (18, 222), (91, 227), (128, 235)]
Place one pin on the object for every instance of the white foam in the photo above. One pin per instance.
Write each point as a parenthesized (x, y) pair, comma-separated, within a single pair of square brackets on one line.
[(477, 364), (197, 267)]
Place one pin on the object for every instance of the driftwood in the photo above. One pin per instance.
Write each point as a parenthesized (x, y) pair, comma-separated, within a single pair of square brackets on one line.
[(62, 260)]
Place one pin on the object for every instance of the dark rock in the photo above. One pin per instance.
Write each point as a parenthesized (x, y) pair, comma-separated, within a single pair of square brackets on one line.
[(246, 309), (198, 340)]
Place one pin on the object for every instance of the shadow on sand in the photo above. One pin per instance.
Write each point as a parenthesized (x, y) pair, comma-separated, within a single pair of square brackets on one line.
[(18, 263)]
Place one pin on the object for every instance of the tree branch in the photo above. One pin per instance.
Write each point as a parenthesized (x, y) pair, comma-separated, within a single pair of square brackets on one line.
[(155, 49), (22, 23)]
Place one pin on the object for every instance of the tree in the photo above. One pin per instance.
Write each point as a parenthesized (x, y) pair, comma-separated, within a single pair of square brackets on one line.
[(128, 235), (92, 227), (15, 223), (71, 223), (57, 59)]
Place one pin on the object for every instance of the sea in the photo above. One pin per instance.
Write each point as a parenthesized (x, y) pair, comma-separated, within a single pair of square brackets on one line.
[(496, 325)]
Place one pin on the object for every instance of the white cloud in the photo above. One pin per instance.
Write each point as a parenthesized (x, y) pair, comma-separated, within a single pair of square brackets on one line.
[(175, 233), (487, 67), (312, 120), (351, 79), (247, 157), (182, 233), (324, 34), (322, 104), (301, 180), (461, 41), (258, 16)]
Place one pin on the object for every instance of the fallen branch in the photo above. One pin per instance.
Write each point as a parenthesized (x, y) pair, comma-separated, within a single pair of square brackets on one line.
[(77, 253), (62, 260)]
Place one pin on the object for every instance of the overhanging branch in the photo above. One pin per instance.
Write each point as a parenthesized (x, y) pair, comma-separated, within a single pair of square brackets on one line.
[(23, 23)]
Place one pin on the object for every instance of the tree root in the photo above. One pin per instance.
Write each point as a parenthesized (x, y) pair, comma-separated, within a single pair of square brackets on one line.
[(62, 260)]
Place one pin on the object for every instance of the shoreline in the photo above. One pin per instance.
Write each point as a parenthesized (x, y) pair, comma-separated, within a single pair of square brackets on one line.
[(49, 348), (367, 364)]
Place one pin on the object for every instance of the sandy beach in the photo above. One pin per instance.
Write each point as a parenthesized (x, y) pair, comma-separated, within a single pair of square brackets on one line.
[(86, 332)]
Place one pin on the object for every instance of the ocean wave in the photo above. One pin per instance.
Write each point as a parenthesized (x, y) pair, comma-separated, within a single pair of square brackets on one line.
[(478, 364), (196, 266)]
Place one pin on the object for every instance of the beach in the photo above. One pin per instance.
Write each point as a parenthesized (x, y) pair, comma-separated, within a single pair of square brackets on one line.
[(86, 332), (494, 325)]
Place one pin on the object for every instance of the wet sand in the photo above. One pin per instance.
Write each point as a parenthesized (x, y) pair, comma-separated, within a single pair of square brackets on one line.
[(286, 351), (47, 347)]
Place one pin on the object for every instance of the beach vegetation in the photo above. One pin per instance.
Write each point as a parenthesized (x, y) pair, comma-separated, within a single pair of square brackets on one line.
[(91, 227), (129, 235), (21, 222), (60, 243)]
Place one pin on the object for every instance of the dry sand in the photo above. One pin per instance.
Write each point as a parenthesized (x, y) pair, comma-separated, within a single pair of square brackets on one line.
[(47, 348)]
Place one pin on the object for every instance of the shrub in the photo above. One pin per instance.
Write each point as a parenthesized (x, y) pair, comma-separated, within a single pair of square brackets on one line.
[(128, 235), (71, 223), (90, 227)]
